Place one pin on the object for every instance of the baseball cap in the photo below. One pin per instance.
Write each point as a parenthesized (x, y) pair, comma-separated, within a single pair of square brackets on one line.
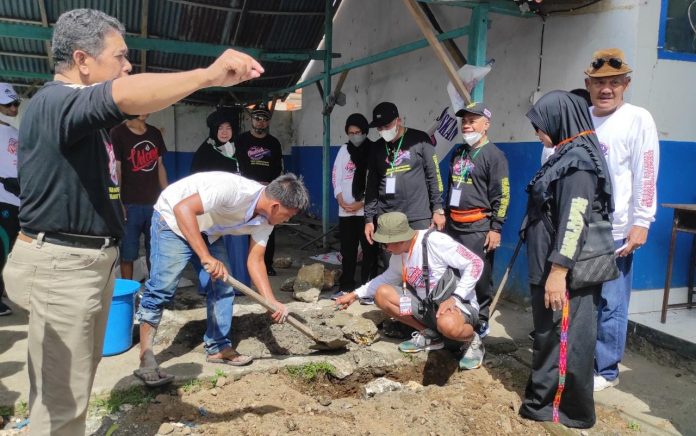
[(261, 110), (393, 227), (7, 94), (476, 109), (383, 114), (608, 62)]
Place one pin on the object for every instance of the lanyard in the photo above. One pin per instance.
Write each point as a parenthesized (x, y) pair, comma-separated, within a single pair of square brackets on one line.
[(396, 153), (565, 141), (464, 170)]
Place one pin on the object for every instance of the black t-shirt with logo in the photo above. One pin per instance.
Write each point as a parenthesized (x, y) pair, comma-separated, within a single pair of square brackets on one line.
[(139, 156), (260, 159), (66, 162)]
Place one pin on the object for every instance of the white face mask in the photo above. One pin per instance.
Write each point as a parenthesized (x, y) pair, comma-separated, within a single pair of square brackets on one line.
[(472, 138), (357, 139), (389, 134), (227, 149), (546, 153)]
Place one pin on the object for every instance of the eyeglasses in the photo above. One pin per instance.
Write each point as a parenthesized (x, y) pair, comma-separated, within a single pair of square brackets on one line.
[(615, 63), (12, 103)]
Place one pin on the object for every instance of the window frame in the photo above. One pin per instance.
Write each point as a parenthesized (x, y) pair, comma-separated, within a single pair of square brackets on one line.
[(663, 53)]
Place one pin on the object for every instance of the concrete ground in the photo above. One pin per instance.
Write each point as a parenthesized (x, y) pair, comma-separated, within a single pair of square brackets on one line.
[(659, 399)]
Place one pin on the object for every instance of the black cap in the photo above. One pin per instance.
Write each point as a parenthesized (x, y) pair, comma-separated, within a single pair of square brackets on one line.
[(261, 110), (383, 114), (476, 109), (358, 120)]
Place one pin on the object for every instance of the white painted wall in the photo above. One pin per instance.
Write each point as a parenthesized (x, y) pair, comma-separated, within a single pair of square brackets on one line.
[(416, 81)]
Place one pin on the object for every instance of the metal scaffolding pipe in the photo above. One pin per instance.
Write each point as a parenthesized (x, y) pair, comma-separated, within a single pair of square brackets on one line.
[(326, 147)]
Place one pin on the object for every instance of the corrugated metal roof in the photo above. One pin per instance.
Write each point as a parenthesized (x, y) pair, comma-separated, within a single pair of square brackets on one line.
[(268, 25)]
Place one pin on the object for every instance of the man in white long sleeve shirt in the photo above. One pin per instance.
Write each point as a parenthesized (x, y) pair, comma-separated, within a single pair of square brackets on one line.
[(401, 290), (628, 137)]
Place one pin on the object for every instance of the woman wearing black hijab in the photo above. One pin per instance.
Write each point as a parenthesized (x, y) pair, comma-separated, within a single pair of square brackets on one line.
[(569, 191), (217, 152)]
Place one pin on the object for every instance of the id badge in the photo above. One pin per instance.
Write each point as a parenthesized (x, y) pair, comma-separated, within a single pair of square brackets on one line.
[(405, 306), (456, 196), (391, 185)]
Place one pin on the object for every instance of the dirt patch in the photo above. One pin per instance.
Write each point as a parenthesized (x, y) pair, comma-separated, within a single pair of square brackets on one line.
[(435, 399)]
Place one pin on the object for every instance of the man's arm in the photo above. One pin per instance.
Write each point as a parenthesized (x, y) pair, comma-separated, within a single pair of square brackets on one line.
[(645, 160), (151, 92), (257, 271), (498, 198), (161, 173), (432, 176), (185, 213)]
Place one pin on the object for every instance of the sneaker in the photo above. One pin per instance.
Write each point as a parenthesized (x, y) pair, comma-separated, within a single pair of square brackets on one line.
[(271, 271), (483, 329), (367, 301), (472, 354), (420, 342), (338, 294), (532, 335), (5, 309), (600, 383)]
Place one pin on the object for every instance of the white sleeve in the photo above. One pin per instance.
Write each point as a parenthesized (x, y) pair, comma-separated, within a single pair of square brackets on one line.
[(645, 160), (260, 235), (338, 169), (392, 276), (455, 255)]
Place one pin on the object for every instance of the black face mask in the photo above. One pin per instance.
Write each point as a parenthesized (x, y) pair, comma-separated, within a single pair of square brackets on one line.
[(260, 130)]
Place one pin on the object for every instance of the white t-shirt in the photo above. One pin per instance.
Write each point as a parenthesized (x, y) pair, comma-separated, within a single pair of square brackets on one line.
[(8, 161), (443, 252), (342, 178), (228, 204), (628, 138)]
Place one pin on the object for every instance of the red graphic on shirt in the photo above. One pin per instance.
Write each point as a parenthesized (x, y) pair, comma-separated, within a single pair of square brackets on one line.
[(12, 145), (476, 262), (143, 157), (648, 191), (414, 277), (350, 170)]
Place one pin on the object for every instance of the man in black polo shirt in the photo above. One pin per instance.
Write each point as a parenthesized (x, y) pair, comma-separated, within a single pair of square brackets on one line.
[(261, 159), (403, 174), (479, 194), (61, 267)]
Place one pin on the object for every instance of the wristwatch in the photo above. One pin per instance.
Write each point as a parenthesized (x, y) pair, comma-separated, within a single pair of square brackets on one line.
[(440, 211)]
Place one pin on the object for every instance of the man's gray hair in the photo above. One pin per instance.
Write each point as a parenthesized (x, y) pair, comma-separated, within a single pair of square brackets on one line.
[(290, 191), (81, 29)]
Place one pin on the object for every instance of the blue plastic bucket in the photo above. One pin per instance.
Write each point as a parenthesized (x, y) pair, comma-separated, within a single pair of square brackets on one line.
[(119, 327)]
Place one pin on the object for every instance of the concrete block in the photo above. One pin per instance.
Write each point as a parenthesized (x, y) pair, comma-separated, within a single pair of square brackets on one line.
[(380, 386), (311, 295)]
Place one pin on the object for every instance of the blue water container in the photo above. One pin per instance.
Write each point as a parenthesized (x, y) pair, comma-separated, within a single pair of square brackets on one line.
[(119, 327)]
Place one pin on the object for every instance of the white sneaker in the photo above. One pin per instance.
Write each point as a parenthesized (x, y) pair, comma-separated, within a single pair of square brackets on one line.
[(600, 383), (421, 342)]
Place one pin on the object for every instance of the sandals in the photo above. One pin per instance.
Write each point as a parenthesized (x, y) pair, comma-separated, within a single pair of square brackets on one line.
[(228, 356), (146, 375)]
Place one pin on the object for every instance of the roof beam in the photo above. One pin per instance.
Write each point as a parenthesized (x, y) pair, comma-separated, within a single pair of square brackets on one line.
[(15, 30), (251, 11), (503, 7), (242, 14), (144, 13), (44, 23)]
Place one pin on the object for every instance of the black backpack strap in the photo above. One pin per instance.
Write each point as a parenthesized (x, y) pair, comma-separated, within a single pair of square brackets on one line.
[(426, 267)]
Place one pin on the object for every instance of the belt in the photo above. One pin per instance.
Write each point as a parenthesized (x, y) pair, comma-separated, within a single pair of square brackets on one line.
[(468, 216), (78, 241)]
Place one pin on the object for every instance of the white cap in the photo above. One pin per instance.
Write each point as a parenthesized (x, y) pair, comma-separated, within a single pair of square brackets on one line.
[(7, 94)]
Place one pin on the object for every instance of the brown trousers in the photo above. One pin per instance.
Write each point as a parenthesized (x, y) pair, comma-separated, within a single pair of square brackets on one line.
[(67, 292)]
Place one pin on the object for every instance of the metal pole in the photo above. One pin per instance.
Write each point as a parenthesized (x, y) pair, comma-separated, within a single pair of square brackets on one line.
[(478, 40), (326, 149)]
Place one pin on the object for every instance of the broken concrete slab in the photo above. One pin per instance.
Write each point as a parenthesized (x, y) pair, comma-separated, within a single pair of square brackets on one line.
[(309, 276), (282, 262), (340, 319), (311, 295), (380, 386), (331, 277), (360, 330), (288, 285)]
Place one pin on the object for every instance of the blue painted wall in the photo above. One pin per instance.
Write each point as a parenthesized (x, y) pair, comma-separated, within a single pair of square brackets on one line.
[(677, 162)]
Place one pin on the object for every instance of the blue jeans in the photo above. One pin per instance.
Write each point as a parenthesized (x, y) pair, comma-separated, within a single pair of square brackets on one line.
[(612, 319), (169, 255), (138, 219)]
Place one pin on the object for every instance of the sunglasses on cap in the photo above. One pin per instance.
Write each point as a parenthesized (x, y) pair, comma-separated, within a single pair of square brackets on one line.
[(259, 118), (12, 103), (615, 63)]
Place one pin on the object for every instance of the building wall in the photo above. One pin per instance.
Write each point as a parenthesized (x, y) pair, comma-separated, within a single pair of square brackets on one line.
[(416, 83)]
